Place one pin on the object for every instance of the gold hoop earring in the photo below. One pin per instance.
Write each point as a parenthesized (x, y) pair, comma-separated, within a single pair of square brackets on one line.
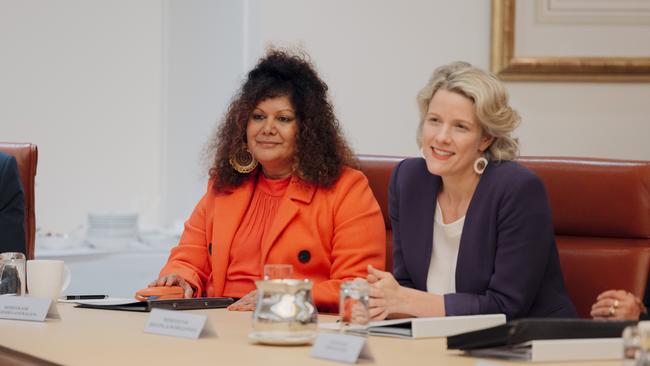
[(480, 164), (243, 161)]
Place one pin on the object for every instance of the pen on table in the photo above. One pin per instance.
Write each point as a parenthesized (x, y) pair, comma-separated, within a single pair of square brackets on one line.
[(85, 297)]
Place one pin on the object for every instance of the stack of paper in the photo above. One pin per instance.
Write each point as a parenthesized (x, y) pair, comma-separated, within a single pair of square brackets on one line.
[(551, 350)]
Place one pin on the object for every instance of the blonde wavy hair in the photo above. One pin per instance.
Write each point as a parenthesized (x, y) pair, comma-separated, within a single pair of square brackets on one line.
[(490, 100)]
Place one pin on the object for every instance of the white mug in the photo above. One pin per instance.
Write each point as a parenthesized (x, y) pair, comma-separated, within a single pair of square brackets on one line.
[(47, 278)]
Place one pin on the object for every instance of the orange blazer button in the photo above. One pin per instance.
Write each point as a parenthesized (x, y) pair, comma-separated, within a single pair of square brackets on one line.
[(304, 256)]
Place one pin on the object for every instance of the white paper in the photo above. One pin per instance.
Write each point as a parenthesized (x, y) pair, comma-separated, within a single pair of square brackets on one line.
[(547, 350), (178, 324), (554, 350), (341, 348), (26, 308)]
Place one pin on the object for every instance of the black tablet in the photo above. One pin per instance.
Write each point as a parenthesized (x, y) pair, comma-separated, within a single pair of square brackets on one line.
[(173, 304)]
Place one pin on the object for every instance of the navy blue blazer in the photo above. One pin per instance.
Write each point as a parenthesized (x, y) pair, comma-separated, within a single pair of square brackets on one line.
[(12, 207), (507, 259)]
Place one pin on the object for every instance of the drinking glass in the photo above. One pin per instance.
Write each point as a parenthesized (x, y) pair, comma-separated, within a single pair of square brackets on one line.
[(285, 313), (12, 273), (636, 344), (354, 314), (278, 271), (631, 345)]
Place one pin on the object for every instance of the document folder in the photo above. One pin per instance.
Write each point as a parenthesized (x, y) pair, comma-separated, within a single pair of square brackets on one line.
[(520, 331), (435, 326), (145, 306), (428, 327)]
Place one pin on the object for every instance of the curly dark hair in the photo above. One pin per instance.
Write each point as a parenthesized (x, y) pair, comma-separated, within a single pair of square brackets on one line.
[(321, 149)]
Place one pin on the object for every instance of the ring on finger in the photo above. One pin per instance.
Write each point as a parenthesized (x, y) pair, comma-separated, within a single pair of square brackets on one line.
[(616, 303), (612, 311)]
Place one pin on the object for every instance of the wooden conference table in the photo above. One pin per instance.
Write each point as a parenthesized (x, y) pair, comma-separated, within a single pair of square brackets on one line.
[(104, 337)]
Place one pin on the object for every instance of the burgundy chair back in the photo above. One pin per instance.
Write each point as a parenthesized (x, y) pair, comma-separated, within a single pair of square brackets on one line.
[(601, 215)]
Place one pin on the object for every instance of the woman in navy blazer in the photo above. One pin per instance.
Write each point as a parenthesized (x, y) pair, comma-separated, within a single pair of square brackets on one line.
[(472, 230)]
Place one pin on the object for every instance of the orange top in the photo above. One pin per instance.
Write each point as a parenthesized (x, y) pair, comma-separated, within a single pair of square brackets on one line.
[(328, 235), (245, 262)]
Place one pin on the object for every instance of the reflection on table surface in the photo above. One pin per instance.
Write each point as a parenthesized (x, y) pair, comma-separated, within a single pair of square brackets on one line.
[(104, 337)]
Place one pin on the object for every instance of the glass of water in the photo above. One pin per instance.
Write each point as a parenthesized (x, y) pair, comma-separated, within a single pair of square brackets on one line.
[(12, 273), (354, 314), (636, 344)]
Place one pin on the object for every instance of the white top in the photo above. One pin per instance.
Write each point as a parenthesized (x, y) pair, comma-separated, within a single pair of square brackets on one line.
[(446, 240)]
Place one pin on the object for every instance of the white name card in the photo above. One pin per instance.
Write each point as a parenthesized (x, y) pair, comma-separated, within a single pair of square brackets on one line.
[(177, 324), (26, 308), (341, 348)]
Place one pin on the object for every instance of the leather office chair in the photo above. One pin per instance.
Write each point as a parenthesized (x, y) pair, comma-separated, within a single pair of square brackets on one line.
[(26, 155), (601, 214), (378, 169)]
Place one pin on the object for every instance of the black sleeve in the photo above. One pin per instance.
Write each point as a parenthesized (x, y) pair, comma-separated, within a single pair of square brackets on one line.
[(12, 207), (399, 268)]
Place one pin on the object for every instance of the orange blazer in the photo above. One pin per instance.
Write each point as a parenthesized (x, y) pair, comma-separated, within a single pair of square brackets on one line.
[(328, 235)]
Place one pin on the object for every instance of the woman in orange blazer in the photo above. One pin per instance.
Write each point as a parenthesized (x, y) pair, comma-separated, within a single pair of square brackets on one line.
[(282, 191)]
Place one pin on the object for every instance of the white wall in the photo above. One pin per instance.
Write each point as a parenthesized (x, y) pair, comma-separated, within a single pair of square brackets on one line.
[(606, 120), (121, 96), (203, 67), (82, 80), (375, 55)]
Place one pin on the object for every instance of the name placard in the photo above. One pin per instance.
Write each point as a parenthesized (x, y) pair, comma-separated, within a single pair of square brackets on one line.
[(24, 308), (177, 324), (341, 348)]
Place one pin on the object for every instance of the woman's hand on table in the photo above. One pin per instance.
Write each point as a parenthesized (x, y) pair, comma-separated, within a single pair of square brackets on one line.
[(173, 279), (246, 303), (384, 294)]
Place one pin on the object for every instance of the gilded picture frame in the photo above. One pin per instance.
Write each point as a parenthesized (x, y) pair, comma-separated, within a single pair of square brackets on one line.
[(508, 66)]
